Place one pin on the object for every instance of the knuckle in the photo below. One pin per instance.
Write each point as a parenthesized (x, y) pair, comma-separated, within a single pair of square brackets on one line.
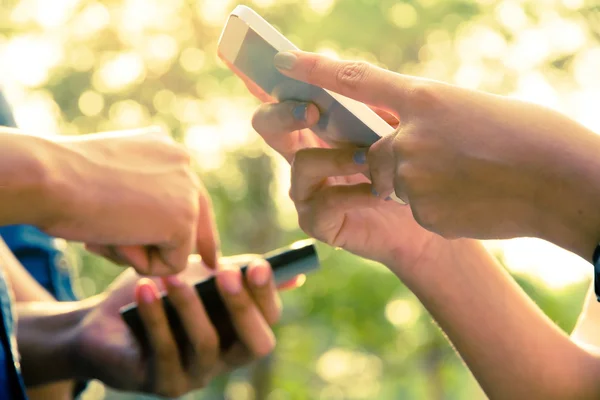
[(406, 174), (239, 304), (256, 120), (301, 157), (312, 68), (209, 348), (350, 75), (165, 354), (424, 95), (305, 223), (400, 145), (428, 219), (291, 192)]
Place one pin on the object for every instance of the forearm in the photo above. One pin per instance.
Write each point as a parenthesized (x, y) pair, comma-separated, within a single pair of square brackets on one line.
[(27, 289), (566, 201), (46, 335), (511, 347), (26, 179)]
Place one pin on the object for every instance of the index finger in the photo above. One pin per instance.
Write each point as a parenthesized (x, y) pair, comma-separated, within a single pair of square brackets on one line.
[(358, 80)]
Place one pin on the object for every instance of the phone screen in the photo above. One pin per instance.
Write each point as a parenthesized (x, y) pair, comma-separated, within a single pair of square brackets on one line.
[(337, 126)]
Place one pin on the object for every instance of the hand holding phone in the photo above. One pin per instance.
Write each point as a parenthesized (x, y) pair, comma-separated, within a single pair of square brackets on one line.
[(248, 45), (286, 263)]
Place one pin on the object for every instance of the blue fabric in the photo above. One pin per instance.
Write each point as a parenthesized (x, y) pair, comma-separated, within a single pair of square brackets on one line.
[(42, 257), (44, 260), (11, 381)]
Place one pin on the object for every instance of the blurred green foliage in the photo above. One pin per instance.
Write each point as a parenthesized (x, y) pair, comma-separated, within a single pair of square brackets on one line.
[(353, 331)]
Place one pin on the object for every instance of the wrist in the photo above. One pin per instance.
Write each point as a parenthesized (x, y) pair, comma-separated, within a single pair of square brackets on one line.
[(64, 187), (439, 263), (26, 178), (47, 337), (77, 348), (568, 215)]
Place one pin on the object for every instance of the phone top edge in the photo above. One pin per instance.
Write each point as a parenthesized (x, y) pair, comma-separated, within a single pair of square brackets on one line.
[(232, 38), (281, 43), (263, 28)]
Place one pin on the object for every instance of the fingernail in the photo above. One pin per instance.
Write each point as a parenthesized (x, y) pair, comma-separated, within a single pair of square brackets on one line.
[(174, 280), (260, 275), (374, 192), (231, 280), (284, 60), (360, 156), (300, 112), (147, 293), (388, 198)]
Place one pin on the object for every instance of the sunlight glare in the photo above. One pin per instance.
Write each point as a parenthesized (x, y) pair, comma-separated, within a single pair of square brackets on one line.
[(214, 12), (91, 103), (402, 312), (586, 68), (530, 49), (534, 87), (128, 114), (321, 6), (566, 36), (30, 59), (118, 72), (204, 142), (584, 108), (90, 21), (511, 14), (41, 104), (48, 14), (556, 267)]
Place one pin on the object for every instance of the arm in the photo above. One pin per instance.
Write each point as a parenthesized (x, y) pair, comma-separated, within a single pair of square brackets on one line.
[(26, 289), (41, 181), (511, 347), (88, 339), (25, 179)]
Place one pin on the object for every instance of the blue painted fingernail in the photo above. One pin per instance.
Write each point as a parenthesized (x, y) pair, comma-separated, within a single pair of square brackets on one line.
[(300, 112), (374, 192), (388, 198), (360, 156)]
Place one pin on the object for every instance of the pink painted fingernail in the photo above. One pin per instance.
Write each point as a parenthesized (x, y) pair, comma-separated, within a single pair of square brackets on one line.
[(146, 292), (231, 280), (260, 275)]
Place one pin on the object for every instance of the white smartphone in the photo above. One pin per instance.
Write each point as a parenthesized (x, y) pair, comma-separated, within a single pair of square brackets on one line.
[(248, 45)]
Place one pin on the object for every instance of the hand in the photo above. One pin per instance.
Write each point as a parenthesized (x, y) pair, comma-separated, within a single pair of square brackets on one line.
[(333, 199), (107, 350), (132, 197), (470, 164)]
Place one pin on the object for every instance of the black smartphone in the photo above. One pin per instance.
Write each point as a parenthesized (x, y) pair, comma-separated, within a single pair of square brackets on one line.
[(298, 258)]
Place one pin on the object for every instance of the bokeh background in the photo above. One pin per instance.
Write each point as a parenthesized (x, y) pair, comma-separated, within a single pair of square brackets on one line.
[(353, 331)]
